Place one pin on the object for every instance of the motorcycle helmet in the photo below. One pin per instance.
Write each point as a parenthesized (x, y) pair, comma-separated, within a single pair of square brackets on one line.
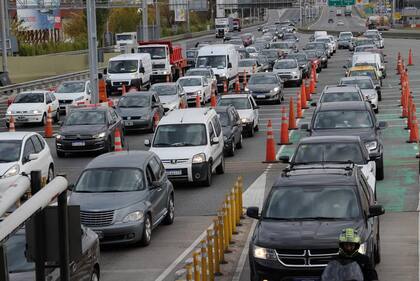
[(349, 242)]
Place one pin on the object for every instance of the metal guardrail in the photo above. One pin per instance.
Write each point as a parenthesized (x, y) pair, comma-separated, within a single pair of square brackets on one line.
[(397, 34)]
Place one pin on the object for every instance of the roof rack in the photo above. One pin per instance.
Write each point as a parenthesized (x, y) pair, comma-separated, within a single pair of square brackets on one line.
[(322, 166)]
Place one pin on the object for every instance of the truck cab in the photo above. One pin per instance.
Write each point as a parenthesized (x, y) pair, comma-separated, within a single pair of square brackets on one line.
[(223, 26), (125, 39)]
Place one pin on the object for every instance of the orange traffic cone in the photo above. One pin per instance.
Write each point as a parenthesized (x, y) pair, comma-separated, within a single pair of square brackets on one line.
[(12, 124), (270, 148), (284, 129), (312, 86), (213, 100), (124, 90), (303, 100), (48, 130), (399, 56), (156, 120), (414, 131), (225, 87), (117, 141), (237, 85), (299, 113), (292, 120), (197, 101), (409, 116), (410, 58), (307, 91)]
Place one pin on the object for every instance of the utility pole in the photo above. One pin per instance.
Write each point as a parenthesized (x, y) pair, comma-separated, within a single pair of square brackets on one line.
[(6, 12), (93, 51), (157, 28), (145, 22), (3, 35), (393, 13), (187, 14), (300, 12)]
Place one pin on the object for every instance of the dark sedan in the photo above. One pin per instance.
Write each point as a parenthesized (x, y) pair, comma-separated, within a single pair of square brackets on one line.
[(231, 127), (266, 86), (140, 110), (84, 269), (123, 196), (271, 54), (89, 129)]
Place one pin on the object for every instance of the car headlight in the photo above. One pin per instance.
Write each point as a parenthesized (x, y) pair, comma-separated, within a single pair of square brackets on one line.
[(362, 248), (146, 117), (9, 112), (264, 253), (99, 136), (324, 59), (245, 120), (134, 216), (13, 171), (371, 145), (198, 92), (246, 89), (294, 73), (199, 158), (79, 98), (275, 89), (224, 75), (36, 111), (59, 137)]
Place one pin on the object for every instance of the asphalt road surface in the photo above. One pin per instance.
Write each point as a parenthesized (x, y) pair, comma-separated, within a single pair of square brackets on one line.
[(196, 206)]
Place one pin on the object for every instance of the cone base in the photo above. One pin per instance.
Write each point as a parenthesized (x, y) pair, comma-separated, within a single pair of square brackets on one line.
[(412, 141), (289, 143), (305, 107), (290, 129), (410, 64), (268, 162)]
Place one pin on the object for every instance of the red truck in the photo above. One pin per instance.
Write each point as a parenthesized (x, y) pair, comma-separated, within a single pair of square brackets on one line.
[(168, 62), (237, 24)]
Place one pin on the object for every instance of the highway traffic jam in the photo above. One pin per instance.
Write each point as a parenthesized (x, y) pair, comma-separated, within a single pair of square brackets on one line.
[(198, 109)]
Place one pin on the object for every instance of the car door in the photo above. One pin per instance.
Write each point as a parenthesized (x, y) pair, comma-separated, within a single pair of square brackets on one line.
[(233, 125), (42, 162), (367, 200), (218, 132), (88, 91), (206, 88), (156, 192), (255, 110), (48, 103), (28, 148), (80, 270), (182, 95), (54, 102), (237, 124)]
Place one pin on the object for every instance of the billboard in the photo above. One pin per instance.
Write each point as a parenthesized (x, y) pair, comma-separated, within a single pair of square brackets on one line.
[(180, 14), (39, 14)]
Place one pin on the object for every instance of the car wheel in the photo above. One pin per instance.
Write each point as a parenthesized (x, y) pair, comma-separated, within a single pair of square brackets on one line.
[(239, 144), (379, 97), (376, 110), (207, 181), (170, 215), (251, 131), (44, 120), (232, 148), (221, 168), (57, 116), (203, 100), (380, 168), (60, 154), (278, 100), (94, 276), (108, 146), (147, 231), (50, 175)]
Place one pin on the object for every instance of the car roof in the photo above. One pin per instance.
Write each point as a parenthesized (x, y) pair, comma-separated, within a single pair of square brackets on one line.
[(35, 92), (134, 56), (264, 74), (329, 139), (140, 93), (132, 158), (234, 96), (187, 115), (161, 84), (14, 135), (190, 76), (340, 88), (348, 105), (360, 77), (329, 175)]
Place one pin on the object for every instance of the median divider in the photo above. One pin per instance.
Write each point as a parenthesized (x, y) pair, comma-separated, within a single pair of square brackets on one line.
[(204, 263)]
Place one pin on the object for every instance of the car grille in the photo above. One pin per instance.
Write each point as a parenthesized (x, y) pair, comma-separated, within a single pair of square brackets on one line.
[(21, 112), (96, 219), (285, 76), (78, 137), (120, 83), (306, 258), (158, 66), (132, 118), (175, 161), (65, 101)]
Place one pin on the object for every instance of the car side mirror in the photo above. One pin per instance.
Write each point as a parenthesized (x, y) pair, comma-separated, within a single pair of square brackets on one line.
[(376, 210), (304, 127), (70, 187), (377, 87), (313, 103), (382, 125), (284, 158), (147, 142), (253, 212), (105, 70), (214, 140), (32, 156), (155, 184), (142, 69), (230, 65)]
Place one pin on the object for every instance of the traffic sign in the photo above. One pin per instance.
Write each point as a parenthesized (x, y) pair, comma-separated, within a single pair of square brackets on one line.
[(341, 3)]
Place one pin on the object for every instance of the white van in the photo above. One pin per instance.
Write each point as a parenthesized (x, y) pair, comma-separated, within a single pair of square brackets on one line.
[(190, 144), (223, 60), (131, 70), (372, 59), (320, 34)]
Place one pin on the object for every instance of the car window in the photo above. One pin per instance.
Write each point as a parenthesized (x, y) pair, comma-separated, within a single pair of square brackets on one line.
[(41, 140), (154, 100), (48, 100), (28, 149), (52, 97), (364, 197), (211, 131), (156, 168), (217, 126), (37, 144), (149, 175)]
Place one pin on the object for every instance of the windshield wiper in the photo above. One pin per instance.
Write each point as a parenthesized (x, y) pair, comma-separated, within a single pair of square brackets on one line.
[(162, 144), (279, 219), (108, 191), (183, 144), (320, 218)]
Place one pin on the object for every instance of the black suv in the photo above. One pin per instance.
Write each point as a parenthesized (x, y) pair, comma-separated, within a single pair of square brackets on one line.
[(89, 129), (232, 128), (355, 118), (296, 241)]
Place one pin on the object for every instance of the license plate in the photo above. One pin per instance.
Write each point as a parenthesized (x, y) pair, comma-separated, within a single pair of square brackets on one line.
[(260, 96), (78, 143), (119, 88), (100, 234), (128, 123), (173, 172), (21, 118)]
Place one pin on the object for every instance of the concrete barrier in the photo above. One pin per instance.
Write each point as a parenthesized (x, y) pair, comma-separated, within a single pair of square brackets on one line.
[(400, 34)]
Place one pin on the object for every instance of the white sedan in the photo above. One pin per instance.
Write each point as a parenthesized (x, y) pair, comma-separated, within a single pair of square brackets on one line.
[(196, 86), (72, 93), (23, 152), (32, 107)]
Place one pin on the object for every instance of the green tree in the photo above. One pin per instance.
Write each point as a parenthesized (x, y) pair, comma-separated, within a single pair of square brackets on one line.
[(124, 20)]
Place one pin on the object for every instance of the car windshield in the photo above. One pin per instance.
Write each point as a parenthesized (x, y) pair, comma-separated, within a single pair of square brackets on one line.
[(362, 83), (302, 58), (285, 64), (325, 40), (238, 103), (110, 180), (16, 259), (370, 73), (176, 135), (164, 90), (340, 96), (364, 42), (310, 46), (123, 66), (312, 54), (270, 53), (260, 79), (85, 117), (344, 36), (10, 150), (212, 61), (325, 152), (251, 49), (204, 73), (187, 82), (314, 203), (155, 52), (343, 119), (246, 63), (224, 119), (29, 98), (134, 101), (71, 87)]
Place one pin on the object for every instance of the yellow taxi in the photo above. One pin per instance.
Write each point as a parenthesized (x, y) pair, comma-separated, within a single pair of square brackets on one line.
[(367, 70)]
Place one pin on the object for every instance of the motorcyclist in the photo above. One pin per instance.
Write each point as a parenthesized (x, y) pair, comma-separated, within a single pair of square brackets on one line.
[(349, 243)]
